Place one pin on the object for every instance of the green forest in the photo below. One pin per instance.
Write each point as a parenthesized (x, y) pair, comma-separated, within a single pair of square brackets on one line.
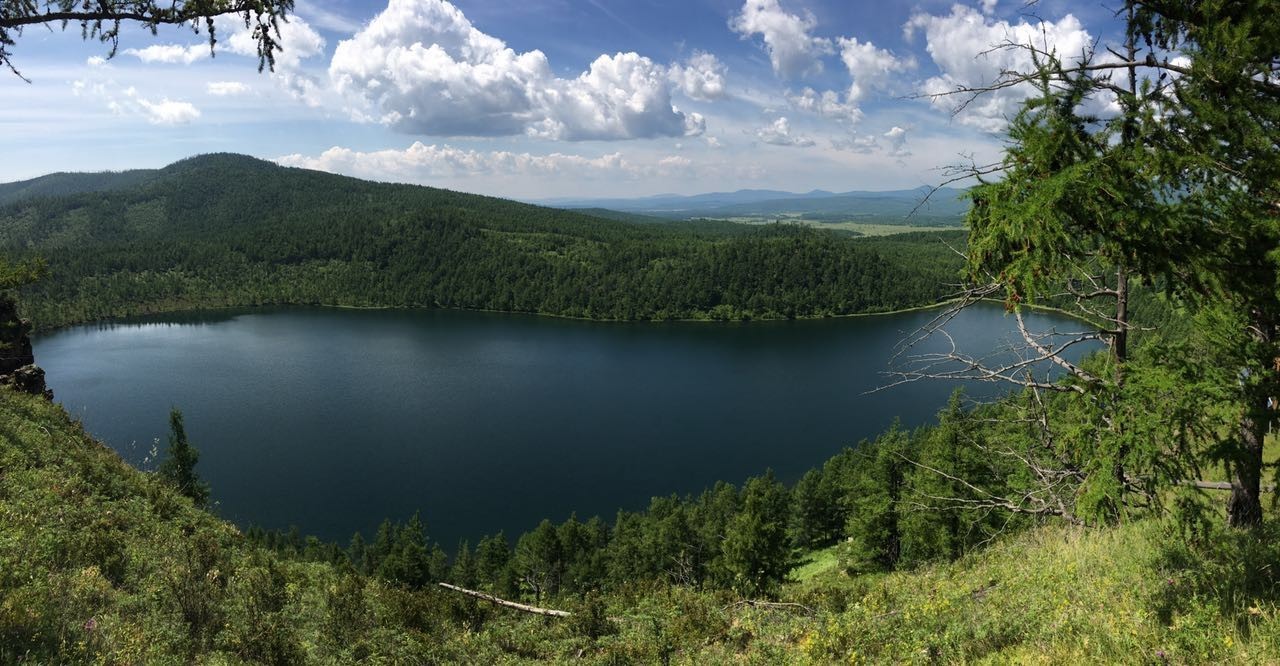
[(229, 230), (1122, 513)]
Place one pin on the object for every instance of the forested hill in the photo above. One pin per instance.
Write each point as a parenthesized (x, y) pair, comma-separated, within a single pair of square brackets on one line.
[(225, 230), (62, 184)]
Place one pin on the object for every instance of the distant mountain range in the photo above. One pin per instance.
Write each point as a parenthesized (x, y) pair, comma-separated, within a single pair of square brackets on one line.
[(944, 206)]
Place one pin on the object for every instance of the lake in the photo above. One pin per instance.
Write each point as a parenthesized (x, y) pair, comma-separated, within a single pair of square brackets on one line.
[(333, 419)]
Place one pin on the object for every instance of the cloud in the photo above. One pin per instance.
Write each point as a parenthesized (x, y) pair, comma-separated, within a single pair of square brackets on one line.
[(168, 112), (422, 163), (226, 88), (328, 19), (961, 45), (701, 77), (779, 134), (129, 103), (897, 138), (95, 61), (793, 52), (623, 96), (857, 144), (989, 6), (827, 104), (872, 68), (298, 41), (421, 67), (171, 53)]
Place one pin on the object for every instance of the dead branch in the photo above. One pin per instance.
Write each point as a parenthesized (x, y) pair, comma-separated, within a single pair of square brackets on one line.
[(524, 608), (1029, 502), (771, 605), (1221, 485)]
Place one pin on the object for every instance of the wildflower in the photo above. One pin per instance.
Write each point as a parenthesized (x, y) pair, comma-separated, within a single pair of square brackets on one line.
[(90, 625)]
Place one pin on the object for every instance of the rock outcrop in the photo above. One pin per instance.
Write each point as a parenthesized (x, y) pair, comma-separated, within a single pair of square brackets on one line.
[(17, 362)]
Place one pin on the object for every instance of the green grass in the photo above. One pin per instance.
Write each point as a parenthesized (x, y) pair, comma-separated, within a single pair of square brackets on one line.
[(817, 563)]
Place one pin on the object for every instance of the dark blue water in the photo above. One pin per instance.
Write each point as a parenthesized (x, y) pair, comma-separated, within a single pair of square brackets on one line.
[(333, 419)]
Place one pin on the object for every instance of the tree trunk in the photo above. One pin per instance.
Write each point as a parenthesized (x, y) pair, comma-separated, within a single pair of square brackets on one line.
[(1244, 509), (1120, 348)]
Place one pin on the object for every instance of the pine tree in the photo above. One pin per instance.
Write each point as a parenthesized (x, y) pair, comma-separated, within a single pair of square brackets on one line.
[(179, 465)]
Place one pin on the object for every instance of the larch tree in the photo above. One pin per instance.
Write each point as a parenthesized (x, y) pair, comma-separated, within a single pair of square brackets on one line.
[(1179, 189), (179, 465), (757, 548)]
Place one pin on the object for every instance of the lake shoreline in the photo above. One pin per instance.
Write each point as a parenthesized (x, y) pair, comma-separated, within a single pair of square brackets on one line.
[(39, 330)]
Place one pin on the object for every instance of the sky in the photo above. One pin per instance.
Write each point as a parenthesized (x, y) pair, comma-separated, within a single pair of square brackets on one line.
[(551, 98)]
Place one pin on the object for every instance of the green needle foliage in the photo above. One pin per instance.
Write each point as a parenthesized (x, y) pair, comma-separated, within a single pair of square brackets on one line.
[(1178, 191), (179, 465)]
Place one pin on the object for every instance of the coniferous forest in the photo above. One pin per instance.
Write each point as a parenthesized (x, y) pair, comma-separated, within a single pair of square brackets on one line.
[(228, 230)]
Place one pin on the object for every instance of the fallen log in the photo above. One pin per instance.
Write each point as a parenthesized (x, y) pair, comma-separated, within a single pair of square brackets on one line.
[(524, 608)]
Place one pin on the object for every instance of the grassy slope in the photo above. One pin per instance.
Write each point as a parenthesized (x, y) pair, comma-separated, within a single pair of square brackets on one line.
[(99, 562), (1133, 594)]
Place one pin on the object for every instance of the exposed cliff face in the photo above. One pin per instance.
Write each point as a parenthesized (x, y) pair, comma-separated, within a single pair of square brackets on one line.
[(17, 363)]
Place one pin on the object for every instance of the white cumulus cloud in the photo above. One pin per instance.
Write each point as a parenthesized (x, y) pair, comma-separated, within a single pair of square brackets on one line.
[(826, 103), (171, 53), (168, 112), (872, 68), (779, 134), (792, 50), (421, 67), (897, 138), (701, 77), (129, 102), (962, 43)]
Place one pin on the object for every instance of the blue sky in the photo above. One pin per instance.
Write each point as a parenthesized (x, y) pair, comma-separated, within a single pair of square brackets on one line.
[(550, 98)]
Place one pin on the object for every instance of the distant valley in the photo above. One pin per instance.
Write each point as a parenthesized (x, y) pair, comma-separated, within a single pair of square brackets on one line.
[(862, 212)]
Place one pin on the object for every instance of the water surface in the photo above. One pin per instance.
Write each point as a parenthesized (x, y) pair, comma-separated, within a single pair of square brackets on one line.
[(333, 419)]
